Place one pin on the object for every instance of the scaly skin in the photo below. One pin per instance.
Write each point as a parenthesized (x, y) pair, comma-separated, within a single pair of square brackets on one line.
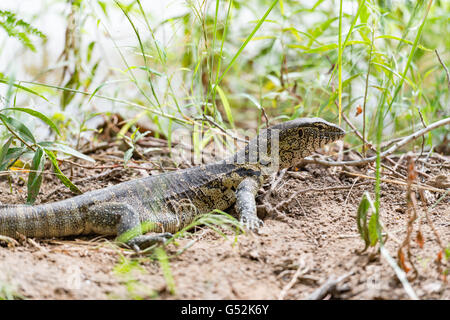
[(173, 200)]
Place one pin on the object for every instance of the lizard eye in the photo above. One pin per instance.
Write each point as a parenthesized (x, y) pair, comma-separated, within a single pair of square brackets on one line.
[(319, 125), (300, 133)]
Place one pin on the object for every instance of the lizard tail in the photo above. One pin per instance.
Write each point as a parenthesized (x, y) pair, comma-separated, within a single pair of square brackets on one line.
[(42, 221)]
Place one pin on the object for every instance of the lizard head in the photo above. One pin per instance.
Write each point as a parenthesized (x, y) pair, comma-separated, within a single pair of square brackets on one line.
[(300, 137), (285, 144)]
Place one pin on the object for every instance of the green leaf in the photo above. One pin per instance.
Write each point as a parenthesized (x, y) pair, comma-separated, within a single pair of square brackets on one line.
[(35, 175), (19, 29), (373, 232), (319, 30), (250, 36), (402, 40), (331, 46), (59, 173), (96, 90), (37, 114), (90, 47), (323, 48), (361, 219), (4, 150), (6, 81), (130, 234), (252, 99), (20, 129), (12, 154), (226, 106), (127, 156), (396, 73), (150, 70), (348, 80), (73, 83), (163, 260), (56, 146)]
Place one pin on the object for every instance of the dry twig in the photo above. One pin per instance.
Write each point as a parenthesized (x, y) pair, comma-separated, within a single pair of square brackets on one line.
[(412, 216), (301, 270), (418, 186), (445, 68), (386, 153), (328, 286)]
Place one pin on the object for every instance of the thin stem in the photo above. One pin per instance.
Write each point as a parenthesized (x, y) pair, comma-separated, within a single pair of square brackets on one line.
[(386, 153), (408, 62), (340, 62), (366, 91), (17, 136), (260, 22)]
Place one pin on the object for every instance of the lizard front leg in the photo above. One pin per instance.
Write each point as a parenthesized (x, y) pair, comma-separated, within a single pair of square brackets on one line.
[(246, 204), (123, 220)]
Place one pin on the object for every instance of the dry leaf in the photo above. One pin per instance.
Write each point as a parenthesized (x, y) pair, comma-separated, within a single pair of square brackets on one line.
[(401, 257), (419, 239), (358, 110)]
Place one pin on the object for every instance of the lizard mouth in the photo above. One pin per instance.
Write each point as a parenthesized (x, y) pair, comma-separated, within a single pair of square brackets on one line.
[(336, 135)]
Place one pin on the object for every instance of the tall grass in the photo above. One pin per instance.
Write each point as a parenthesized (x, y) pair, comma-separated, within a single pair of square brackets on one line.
[(211, 47)]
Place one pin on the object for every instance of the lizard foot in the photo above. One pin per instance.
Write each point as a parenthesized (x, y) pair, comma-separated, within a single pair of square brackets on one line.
[(144, 241), (252, 223)]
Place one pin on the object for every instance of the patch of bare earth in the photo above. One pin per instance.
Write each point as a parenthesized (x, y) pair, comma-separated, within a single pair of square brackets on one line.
[(315, 239)]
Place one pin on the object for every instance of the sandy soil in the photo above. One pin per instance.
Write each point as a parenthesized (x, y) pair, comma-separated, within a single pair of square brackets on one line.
[(314, 240)]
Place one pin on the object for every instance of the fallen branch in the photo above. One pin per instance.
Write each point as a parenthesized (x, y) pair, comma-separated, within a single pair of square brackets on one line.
[(384, 154), (371, 147), (328, 286), (301, 270), (418, 186)]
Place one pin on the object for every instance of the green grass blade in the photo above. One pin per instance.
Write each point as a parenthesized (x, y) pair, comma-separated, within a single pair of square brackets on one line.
[(66, 181), (18, 128), (35, 175), (361, 219), (341, 49), (165, 267), (404, 41), (136, 31), (226, 106), (38, 115), (247, 40), (4, 150), (410, 56), (23, 88), (56, 146)]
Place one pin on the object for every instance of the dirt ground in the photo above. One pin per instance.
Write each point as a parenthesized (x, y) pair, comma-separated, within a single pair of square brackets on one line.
[(314, 240)]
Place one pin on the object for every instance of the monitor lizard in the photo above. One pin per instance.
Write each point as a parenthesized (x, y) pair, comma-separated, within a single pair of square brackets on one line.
[(170, 201)]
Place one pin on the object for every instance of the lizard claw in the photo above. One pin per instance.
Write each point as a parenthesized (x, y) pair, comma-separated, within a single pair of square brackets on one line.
[(144, 241), (252, 223)]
